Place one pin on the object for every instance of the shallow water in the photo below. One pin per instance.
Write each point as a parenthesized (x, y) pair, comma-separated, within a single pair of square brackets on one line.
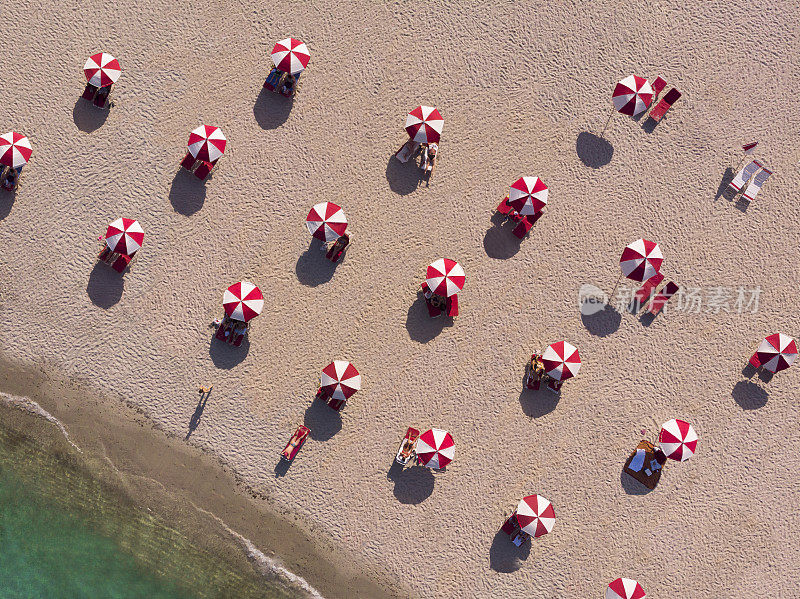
[(64, 533)]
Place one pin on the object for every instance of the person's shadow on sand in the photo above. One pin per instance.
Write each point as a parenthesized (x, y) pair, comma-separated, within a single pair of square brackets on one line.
[(602, 323), (188, 193), (322, 420), (499, 242), (226, 356), (105, 285), (420, 326), (403, 178), (722, 190), (538, 403), (593, 151), (194, 421), (271, 110), (282, 467), (412, 485), (749, 396), (506, 557), (630, 485), (87, 116), (313, 268)]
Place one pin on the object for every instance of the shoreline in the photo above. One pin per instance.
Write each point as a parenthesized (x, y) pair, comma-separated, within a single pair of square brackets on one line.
[(164, 475)]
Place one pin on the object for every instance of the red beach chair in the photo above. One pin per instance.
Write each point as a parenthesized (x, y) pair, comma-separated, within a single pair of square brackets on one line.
[(121, 263), (295, 443), (662, 298), (658, 86), (337, 404), (407, 446), (237, 342), (665, 104), (101, 96), (221, 330), (426, 291), (554, 385), (433, 311), (522, 229), (754, 361), (510, 526), (647, 289), (452, 306), (88, 92), (201, 172), (188, 161), (503, 208), (273, 80), (104, 254)]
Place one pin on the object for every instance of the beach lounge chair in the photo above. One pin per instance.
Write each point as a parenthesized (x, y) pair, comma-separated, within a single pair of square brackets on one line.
[(519, 538), (503, 208), (452, 306), (104, 254), (658, 86), (755, 185), (237, 340), (101, 96), (291, 91), (273, 80), (643, 294), (295, 443), (337, 404), (554, 385), (645, 463), (754, 361), (188, 161), (662, 298), (664, 105), (743, 176), (201, 172), (426, 291), (122, 262), (510, 526), (407, 446), (433, 311), (88, 92), (407, 150), (221, 329), (523, 228), (337, 249)]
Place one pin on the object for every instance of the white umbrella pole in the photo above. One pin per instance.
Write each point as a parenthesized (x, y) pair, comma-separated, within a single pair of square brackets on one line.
[(607, 122), (611, 297)]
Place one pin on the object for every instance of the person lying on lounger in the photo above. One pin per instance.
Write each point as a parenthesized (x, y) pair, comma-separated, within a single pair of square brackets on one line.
[(288, 85), (10, 179), (430, 157)]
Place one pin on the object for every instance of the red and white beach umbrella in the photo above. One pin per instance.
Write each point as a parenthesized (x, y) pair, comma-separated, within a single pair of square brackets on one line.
[(125, 236), (445, 277), (15, 149), (340, 379), (102, 69), (624, 588), (424, 124), (561, 360), (535, 515), (632, 95), (677, 440), (243, 301), (777, 352), (528, 195), (435, 448), (290, 56), (641, 260), (207, 143), (326, 221)]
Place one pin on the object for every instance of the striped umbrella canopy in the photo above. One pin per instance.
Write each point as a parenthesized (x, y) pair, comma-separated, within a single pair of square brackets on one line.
[(435, 448), (561, 360), (290, 56), (777, 352), (102, 69), (125, 236), (632, 95), (243, 301), (326, 221), (15, 149), (528, 195), (624, 588), (424, 124), (207, 143), (340, 379), (445, 277), (677, 440), (535, 515), (641, 260)]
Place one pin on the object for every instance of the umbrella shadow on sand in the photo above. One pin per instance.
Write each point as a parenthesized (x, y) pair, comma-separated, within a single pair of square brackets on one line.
[(593, 151), (420, 326), (312, 267), (538, 403), (6, 202), (603, 322), (403, 178), (630, 485), (504, 556), (322, 421), (226, 356), (271, 110), (87, 116), (499, 242), (188, 193), (411, 485), (105, 286), (749, 396)]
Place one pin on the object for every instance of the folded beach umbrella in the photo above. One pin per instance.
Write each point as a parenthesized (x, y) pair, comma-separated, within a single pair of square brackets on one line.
[(561, 360), (632, 95), (326, 221), (677, 440), (535, 515), (528, 195), (445, 277), (207, 143), (435, 448), (290, 56), (15, 149), (624, 588), (340, 379), (777, 352), (125, 236), (641, 260), (102, 69), (424, 124), (243, 301)]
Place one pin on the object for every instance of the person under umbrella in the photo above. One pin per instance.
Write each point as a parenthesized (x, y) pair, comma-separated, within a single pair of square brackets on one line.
[(101, 71), (206, 145), (327, 222), (424, 127), (561, 361), (242, 302), (124, 237), (15, 151), (444, 279), (775, 353), (339, 382), (290, 57)]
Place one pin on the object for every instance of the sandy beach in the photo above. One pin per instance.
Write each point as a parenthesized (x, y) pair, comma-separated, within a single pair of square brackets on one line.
[(524, 89)]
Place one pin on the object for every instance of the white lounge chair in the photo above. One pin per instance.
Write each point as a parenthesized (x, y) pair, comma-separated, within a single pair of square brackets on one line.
[(407, 150), (743, 176), (755, 185)]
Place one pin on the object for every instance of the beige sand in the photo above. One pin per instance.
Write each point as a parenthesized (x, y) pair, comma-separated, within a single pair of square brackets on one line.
[(517, 86)]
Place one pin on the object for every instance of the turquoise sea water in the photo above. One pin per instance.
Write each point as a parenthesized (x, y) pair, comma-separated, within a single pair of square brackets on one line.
[(65, 534)]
